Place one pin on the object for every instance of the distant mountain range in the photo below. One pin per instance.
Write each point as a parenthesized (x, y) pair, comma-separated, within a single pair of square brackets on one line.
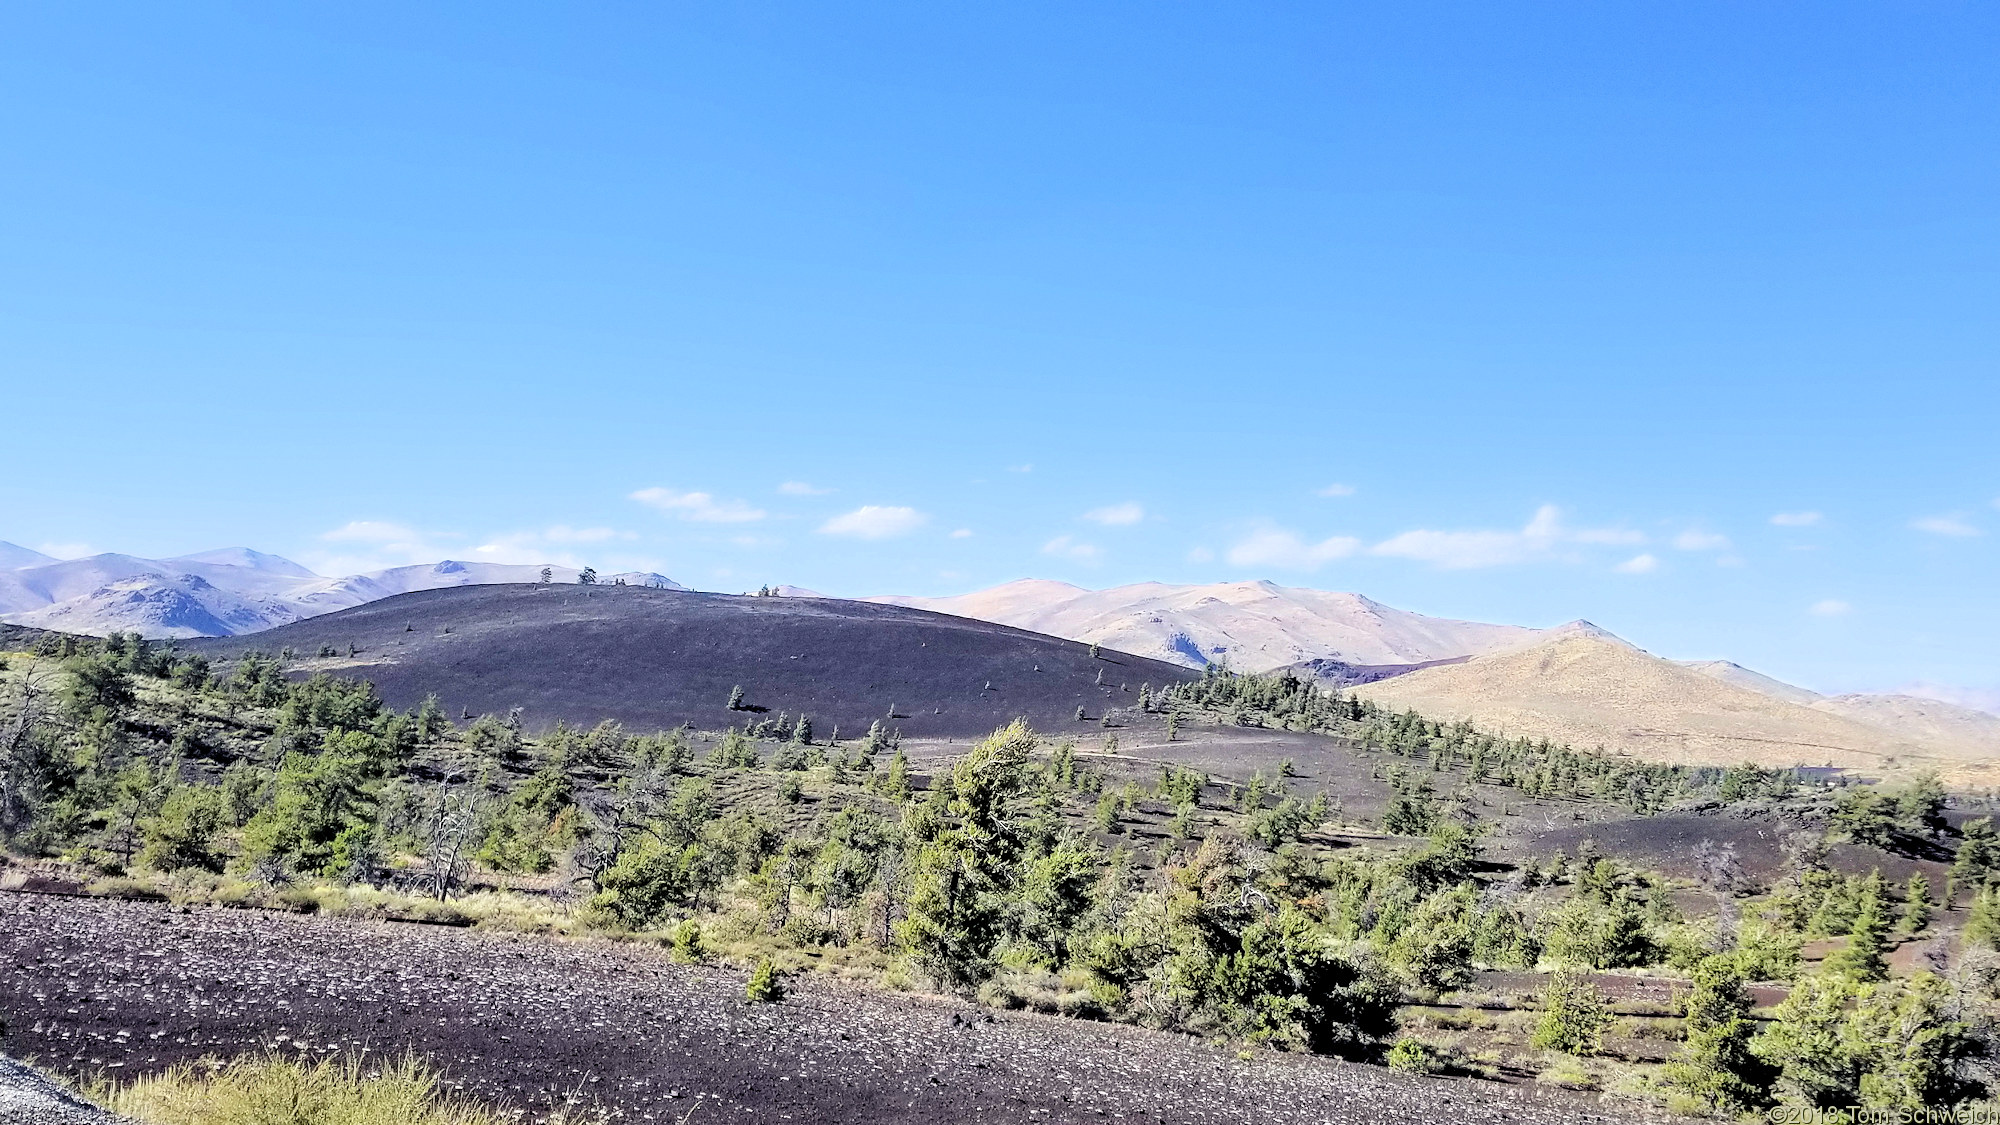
[(220, 593), (1248, 626), (1575, 683)]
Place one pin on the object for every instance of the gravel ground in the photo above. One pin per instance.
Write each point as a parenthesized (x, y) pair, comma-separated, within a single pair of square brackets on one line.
[(89, 985), (27, 1098)]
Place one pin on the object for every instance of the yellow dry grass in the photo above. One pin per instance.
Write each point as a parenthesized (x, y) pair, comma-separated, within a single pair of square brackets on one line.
[(272, 1090)]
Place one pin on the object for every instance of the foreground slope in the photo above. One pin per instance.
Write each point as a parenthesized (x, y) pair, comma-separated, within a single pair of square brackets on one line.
[(1590, 689), (526, 1022), (1250, 626), (654, 658)]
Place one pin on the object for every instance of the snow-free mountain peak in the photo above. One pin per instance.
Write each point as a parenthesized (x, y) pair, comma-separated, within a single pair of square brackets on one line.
[(229, 591), (246, 557), (1250, 626), (13, 556)]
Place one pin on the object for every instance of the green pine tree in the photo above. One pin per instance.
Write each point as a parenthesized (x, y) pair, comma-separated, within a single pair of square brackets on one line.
[(1863, 959), (1716, 1065)]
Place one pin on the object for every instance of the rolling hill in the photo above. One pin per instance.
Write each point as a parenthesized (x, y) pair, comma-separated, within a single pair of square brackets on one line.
[(1250, 626), (1588, 688), (656, 658)]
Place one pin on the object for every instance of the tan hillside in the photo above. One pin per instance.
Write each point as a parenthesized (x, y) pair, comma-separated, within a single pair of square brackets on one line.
[(1929, 721), (1591, 690), (1250, 626)]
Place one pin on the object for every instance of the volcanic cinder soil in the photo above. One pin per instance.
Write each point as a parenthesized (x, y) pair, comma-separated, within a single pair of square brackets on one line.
[(655, 659), (125, 988)]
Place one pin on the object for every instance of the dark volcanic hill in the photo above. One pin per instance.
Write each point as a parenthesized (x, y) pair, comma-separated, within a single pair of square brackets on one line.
[(654, 658)]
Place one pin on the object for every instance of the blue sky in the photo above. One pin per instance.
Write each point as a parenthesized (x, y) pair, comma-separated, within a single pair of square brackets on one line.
[(1677, 318)]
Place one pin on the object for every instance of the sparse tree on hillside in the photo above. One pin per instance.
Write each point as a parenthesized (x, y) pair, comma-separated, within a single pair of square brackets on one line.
[(1916, 905), (736, 698), (1716, 1065), (587, 577), (1867, 941), (548, 575), (1574, 1016)]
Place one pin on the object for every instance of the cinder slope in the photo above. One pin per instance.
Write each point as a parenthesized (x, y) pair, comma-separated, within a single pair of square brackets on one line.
[(655, 658), (1591, 690), (1251, 626)]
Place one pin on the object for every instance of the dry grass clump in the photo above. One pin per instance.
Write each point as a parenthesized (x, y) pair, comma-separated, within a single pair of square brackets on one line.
[(272, 1090), (493, 910)]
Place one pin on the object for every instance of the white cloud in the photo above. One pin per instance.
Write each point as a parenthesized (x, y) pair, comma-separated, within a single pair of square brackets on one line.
[(962, 533), (371, 531), (67, 550), (1116, 515), (1201, 555), (1692, 540), (1953, 526), (1027, 468), (1332, 491), (801, 488), (545, 546), (562, 533), (874, 521), (1275, 546), (1542, 537), (700, 507), (1795, 519), (1062, 546), (367, 545), (1979, 699), (1829, 607), (1638, 564)]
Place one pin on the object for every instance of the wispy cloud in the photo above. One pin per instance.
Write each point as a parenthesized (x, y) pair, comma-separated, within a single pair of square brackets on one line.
[(365, 545), (1023, 468), (1116, 515), (801, 488), (1543, 537), (1952, 526), (1795, 519), (67, 550), (1200, 555), (549, 545), (1333, 491), (1979, 699), (1692, 540), (874, 521), (371, 531), (962, 533), (1638, 564), (1829, 607), (1064, 547), (701, 507), (1287, 550)]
